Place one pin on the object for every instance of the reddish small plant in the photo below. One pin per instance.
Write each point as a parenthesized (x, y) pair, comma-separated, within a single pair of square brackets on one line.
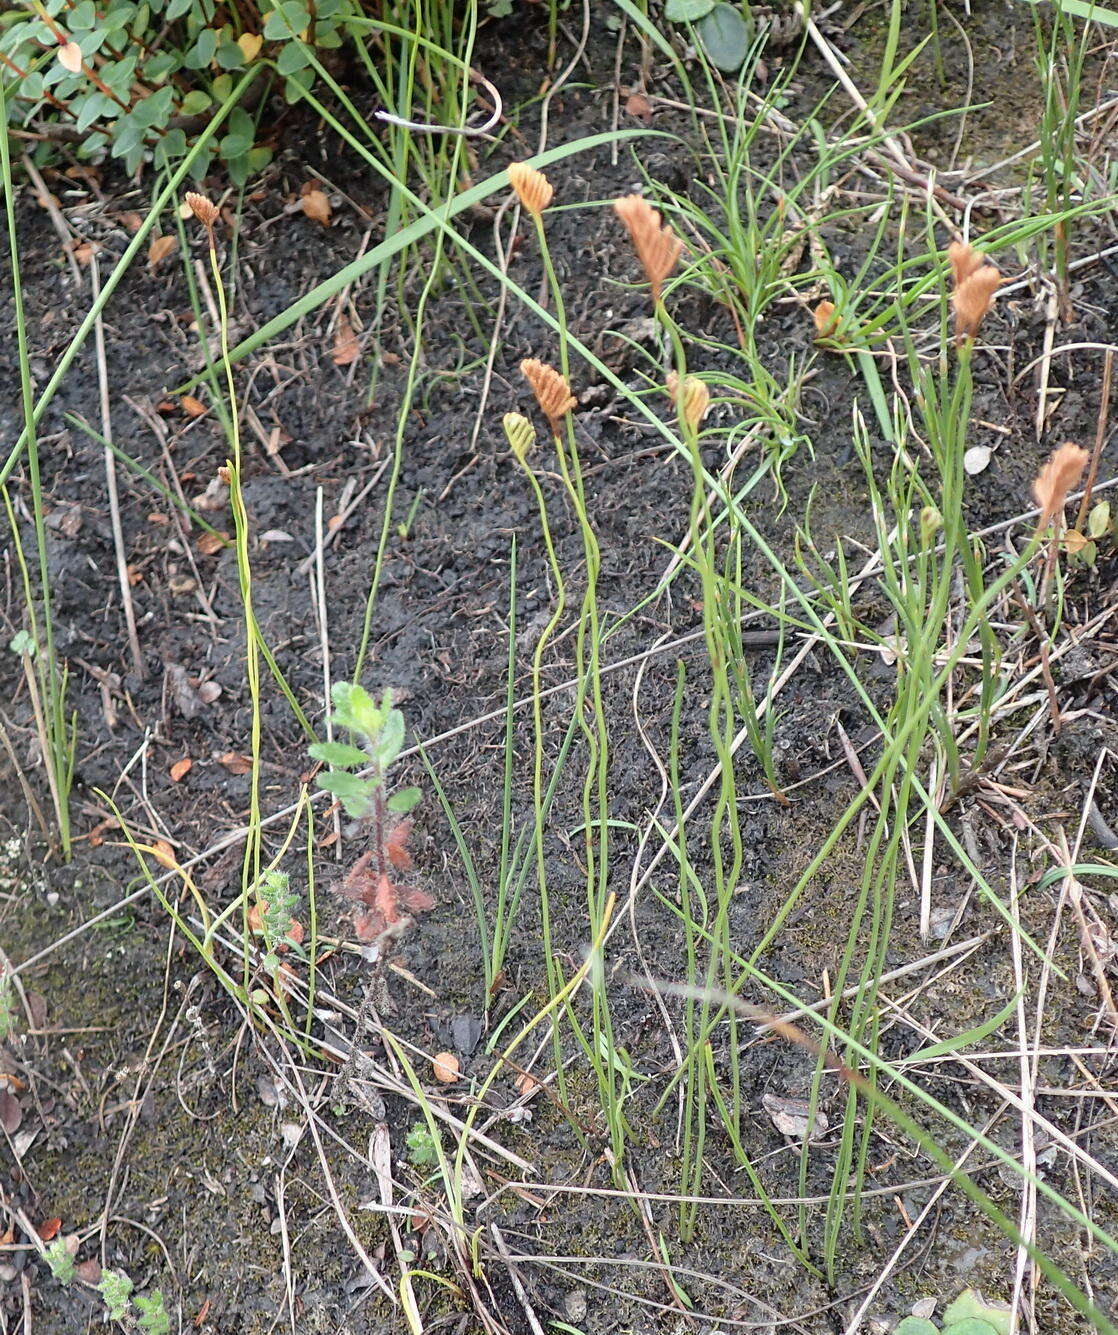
[(383, 907)]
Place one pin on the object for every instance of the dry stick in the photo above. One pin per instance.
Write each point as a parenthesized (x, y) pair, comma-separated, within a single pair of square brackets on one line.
[(335, 1200), (1026, 1221), (514, 1280), (854, 1325), (343, 514), (1038, 1119), (319, 587), (111, 481), (1100, 436), (59, 223), (1051, 315)]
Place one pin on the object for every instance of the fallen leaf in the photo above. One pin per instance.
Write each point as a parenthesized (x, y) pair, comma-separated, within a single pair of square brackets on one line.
[(193, 407), (89, 1272), (235, 763), (48, 1229), (160, 248), (446, 1068), (315, 205), (181, 768), (790, 1117), (346, 347), (526, 1084), (209, 691), (83, 253), (639, 106), (164, 854), (209, 543), (11, 1113), (250, 44), (135, 575), (70, 57), (132, 221)]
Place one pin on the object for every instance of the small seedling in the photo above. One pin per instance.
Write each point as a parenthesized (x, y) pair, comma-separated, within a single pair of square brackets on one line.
[(116, 1289), (61, 1263), (23, 642), (422, 1148), (282, 933), (153, 1318), (378, 731)]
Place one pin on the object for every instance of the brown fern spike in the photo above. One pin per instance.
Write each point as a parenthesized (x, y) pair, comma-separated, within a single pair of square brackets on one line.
[(975, 282), (1056, 479), (657, 246), (205, 210), (551, 389), (532, 187)]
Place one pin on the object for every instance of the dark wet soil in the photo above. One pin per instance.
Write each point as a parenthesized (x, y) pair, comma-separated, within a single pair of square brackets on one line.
[(152, 1126)]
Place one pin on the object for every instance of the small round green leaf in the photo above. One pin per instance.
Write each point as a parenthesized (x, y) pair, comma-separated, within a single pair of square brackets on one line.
[(915, 1325), (687, 11), (725, 36)]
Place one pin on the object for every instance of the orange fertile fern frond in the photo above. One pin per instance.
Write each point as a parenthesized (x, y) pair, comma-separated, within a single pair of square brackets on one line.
[(657, 246), (551, 389), (975, 282), (532, 187), (205, 210), (1058, 476)]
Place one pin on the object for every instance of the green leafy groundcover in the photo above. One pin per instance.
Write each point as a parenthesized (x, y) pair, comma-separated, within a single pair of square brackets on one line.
[(132, 76)]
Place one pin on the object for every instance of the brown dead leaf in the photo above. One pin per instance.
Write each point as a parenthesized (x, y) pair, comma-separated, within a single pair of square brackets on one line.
[(132, 221), (640, 107), (48, 1229), (446, 1068), (135, 575), (526, 1084), (160, 248), (209, 543), (89, 1272), (346, 347), (181, 768), (158, 517), (164, 854), (11, 1114), (70, 57), (193, 407), (315, 204), (235, 763), (83, 252)]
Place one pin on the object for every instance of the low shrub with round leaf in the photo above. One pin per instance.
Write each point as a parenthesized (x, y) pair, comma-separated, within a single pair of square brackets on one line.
[(133, 79)]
